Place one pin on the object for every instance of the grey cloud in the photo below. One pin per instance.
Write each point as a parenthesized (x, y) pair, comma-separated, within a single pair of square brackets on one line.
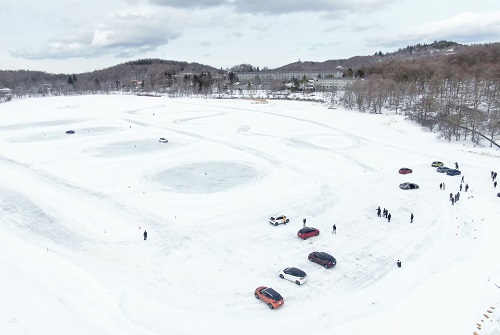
[(277, 7), (463, 28), (124, 34), (190, 3), (322, 46)]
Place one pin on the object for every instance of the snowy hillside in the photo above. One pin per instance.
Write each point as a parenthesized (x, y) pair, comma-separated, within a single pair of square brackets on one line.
[(73, 209)]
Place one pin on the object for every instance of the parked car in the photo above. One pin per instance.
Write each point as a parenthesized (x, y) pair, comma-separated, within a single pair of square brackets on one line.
[(70, 131), (442, 169), (278, 219), (437, 163), (307, 232), (163, 140), (272, 298), (408, 186), (453, 172), (405, 170), (293, 274), (322, 258)]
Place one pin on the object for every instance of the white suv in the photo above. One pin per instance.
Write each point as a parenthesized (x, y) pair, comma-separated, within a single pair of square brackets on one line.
[(280, 219)]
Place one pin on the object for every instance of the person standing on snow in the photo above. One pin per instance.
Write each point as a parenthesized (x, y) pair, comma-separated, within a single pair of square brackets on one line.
[(145, 235), (304, 222), (334, 231), (495, 184), (441, 186), (456, 165), (379, 211), (411, 218), (388, 217), (398, 263), (466, 187), (460, 187)]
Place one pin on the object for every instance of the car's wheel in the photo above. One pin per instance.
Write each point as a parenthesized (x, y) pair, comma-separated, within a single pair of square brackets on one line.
[(282, 277), (312, 260), (270, 306), (305, 237), (276, 224), (317, 233), (297, 282), (326, 266), (256, 295)]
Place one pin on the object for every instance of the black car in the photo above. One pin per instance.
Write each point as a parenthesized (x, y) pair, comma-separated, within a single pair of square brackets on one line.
[(70, 131), (322, 258), (453, 172)]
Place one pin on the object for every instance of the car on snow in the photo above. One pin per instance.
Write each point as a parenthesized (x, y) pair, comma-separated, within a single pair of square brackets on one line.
[(269, 296), (408, 186), (443, 169), (322, 258), (70, 131), (278, 219), (437, 163), (307, 232), (498, 194), (163, 140), (293, 274), (405, 170), (453, 172)]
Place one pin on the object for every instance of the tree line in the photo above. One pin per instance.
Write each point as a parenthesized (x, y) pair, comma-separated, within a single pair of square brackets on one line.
[(456, 94)]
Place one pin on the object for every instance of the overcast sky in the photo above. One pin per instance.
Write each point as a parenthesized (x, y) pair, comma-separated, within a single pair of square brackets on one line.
[(75, 36)]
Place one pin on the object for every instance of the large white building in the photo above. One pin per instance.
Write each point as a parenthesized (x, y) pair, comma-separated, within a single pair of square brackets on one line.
[(316, 80)]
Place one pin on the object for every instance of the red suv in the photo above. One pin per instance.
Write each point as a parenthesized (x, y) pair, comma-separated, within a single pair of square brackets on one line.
[(322, 258), (307, 232), (272, 298)]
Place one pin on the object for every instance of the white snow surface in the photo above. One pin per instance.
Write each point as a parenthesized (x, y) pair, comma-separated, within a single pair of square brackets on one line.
[(73, 209)]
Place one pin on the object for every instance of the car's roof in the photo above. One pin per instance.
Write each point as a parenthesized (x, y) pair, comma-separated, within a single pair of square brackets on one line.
[(324, 255), (273, 293), (295, 272), (307, 229)]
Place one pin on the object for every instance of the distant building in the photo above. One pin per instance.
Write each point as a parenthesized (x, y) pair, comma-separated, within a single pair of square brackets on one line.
[(5, 91), (5, 94), (328, 84), (311, 79)]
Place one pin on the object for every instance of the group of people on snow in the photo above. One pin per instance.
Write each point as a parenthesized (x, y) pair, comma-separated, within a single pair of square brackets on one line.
[(385, 213)]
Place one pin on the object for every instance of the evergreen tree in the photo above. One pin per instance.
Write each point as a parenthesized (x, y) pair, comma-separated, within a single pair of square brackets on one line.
[(70, 80)]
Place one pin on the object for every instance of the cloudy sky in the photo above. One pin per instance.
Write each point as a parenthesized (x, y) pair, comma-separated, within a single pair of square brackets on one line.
[(75, 36)]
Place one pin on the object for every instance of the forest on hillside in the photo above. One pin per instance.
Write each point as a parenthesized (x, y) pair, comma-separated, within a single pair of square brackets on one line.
[(457, 95)]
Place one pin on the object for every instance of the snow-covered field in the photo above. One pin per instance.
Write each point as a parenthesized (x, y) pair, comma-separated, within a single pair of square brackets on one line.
[(73, 209)]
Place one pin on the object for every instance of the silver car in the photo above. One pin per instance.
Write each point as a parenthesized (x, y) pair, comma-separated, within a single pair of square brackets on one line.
[(408, 186)]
